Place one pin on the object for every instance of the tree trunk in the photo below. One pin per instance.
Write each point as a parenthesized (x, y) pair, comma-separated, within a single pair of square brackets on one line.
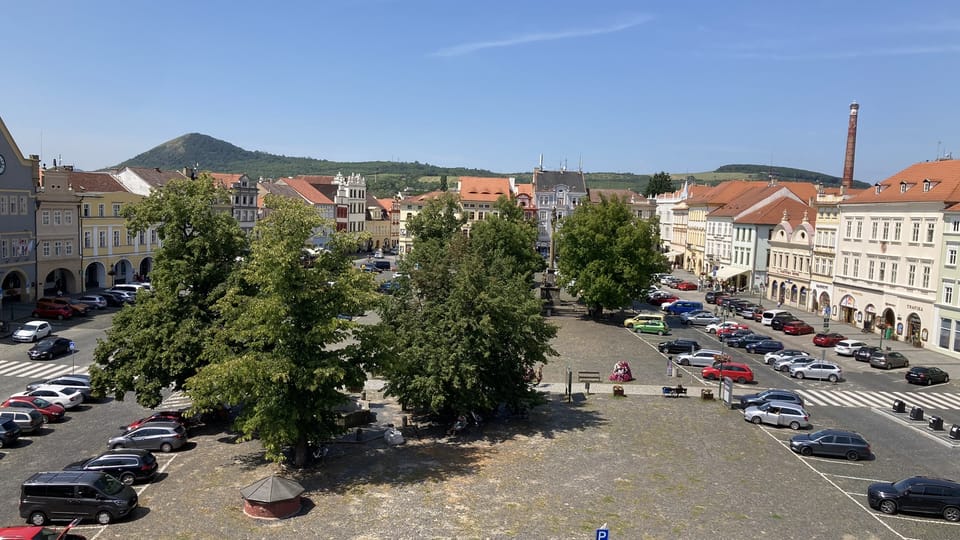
[(301, 453)]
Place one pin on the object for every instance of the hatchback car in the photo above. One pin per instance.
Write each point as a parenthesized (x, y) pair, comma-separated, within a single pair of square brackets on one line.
[(772, 357), (888, 360), (746, 310), (701, 358), (660, 300), (701, 319), (652, 327), (63, 398), (711, 297), (65, 382), (797, 328), (95, 301), (115, 299), (49, 348), (687, 286), (52, 311), (832, 443), (731, 325), (817, 370), (32, 331), (51, 412), (926, 375), (784, 364), (917, 494), (774, 394), (29, 420), (778, 414), (77, 307), (175, 417), (828, 340), (863, 354), (848, 347), (677, 346), (128, 465), (743, 341), (163, 436), (740, 373), (765, 346)]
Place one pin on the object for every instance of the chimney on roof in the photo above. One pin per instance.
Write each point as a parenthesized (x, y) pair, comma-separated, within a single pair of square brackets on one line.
[(847, 181), (156, 169)]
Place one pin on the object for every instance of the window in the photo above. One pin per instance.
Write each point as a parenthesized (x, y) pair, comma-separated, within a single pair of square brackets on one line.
[(849, 229), (86, 209), (859, 229), (952, 256), (68, 248), (956, 334), (45, 217), (116, 209), (116, 238), (87, 239), (915, 237), (57, 217), (100, 210), (931, 227), (911, 274), (68, 217), (874, 229), (883, 270), (896, 231), (886, 230), (846, 266), (45, 249), (3, 205), (948, 294), (153, 236), (956, 225), (893, 273), (870, 269), (103, 238), (856, 268), (926, 277), (3, 249), (13, 205), (58, 248), (23, 205)]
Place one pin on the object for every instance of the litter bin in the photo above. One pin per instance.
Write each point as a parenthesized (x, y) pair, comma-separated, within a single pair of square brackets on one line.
[(936, 423), (955, 431), (899, 406), (916, 413)]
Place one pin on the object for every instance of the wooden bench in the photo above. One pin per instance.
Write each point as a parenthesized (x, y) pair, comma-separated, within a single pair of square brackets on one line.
[(588, 377), (674, 391)]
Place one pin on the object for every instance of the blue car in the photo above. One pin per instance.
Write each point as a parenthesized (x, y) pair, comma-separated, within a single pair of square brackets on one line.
[(765, 346)]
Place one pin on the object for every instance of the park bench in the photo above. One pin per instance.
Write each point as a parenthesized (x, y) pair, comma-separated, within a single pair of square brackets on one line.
[(588, 377), (674, 391)]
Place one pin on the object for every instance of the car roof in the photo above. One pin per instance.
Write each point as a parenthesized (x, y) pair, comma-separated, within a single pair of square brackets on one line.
[(172, 425), (140, 452), (784, 403)]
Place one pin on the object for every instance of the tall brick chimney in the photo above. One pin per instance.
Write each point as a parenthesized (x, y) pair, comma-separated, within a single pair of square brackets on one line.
[(847, 181)]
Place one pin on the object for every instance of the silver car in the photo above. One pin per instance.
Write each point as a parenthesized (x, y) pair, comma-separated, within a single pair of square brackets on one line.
[(784, 364), (702, 358), (772, 357), (93, 300), (817, 370), (778, 413), (163, 436), (701, 319)]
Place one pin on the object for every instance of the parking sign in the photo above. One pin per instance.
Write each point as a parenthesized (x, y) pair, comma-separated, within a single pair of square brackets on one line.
[(603, 534)]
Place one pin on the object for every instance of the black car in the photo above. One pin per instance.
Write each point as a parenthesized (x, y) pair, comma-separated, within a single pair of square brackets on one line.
[(831, 442), (774, 394), (743, 341), (128, 465), (926, 375), (917, 494), (777, 322), (9, 432), (863, 354), (678, 346), (711, 297), (113, 299), (736, 334), (727, 300), (49, 348)]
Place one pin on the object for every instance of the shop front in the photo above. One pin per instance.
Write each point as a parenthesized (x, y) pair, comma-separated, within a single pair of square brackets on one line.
[(848, 309)]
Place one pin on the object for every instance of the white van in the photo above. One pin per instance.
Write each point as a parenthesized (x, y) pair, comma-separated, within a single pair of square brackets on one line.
[(769, 315)]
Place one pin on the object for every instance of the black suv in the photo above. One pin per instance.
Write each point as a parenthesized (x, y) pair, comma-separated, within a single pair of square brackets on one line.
[(678, 346), (863, 354), (773, 394), (831, 442), (126, 464), (917, 494)]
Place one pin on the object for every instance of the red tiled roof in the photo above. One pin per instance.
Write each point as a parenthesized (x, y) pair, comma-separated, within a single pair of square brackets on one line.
[(306, 190), (626, 195), (772, 213), (93, 182), (474, 188), (525, 189), (314, 178), (226, 180), (723, 193), (386, 203), (746, 200), (944, 177)]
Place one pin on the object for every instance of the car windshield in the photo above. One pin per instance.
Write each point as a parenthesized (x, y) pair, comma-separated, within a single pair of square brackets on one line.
[(903, 484), (817, 434), (40, 402), (109, 485), (31, 327)]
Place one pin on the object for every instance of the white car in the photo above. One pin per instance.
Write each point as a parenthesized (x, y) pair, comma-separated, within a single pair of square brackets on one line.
[(33, 331), (702, 358), (93, 300), (847, 347), (60, 396), (712, 328), (80, 383), (771, 357), (817, 370)]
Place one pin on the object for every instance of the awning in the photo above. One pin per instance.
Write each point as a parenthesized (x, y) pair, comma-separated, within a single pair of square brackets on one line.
[(672, 254), (728, 272)]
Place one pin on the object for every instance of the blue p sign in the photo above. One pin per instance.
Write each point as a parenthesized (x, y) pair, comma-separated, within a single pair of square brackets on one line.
[(603, 534)]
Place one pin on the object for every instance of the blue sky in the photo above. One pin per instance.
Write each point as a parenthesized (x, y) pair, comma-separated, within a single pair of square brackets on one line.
[(626, 86)]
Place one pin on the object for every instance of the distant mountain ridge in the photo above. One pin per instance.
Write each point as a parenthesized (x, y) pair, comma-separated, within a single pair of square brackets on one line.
[(388, 177)]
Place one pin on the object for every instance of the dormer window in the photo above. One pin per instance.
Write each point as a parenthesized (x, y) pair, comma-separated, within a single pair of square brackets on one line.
[(903, 187), (878, 188), (926, 185)]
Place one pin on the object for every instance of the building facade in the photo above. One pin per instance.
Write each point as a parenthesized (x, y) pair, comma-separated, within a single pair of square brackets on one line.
[(59, 258), (19, 180)]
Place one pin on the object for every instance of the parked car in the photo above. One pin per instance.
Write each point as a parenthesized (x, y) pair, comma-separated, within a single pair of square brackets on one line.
[(77, 307), (832, 443), (52, 311), (29, 420), (712, 296), (51, 412), (95, 301), (128, 297), (115, 299), (677, 346), (701, 319), (796, 328), (817, 370), (32, 532), (756, 315), (128, 465), (65, 382), (863, 354), (32, 331), (642, 318), (746, 310), (701, 358), (175, 417), (738, 372), (743, 341), (917, 494), (726, 334), (652, 327), (63, 398), (733, 325), (847, 347), (9, 432), (765, 346), (772, 357), (888, 360), (682, 306), (727, 300), (49, 348), (661, 300), (778, 322), (163, 436), (783, 364), (827, 340), (774, 394), (778, 414), (927, 375), (66, 495), (687, 286)]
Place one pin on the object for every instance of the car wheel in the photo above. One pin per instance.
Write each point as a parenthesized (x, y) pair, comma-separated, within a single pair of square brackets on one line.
[(741, 380), (784, 369), (794, 425), (166, 448), (833, 378), (660, 333), (44, 419), (127, 479), (888, 507), (684, 362), (104, 517), (946, 379), (853, 455), (799, 375), (951, 513), (38, 518), (756, 420), (806, 451), (906, 363), (116, 446), (929, 382)]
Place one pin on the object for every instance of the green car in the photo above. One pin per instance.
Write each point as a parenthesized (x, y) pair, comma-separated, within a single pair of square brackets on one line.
[(652, 327)]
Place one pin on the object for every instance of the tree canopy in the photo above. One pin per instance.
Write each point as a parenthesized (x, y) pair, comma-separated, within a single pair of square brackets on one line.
[(607, 255), (659, 183)]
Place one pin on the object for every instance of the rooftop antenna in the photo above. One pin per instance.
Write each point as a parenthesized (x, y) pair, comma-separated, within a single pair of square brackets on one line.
[(938, 151), (541, 161), (581, 162)]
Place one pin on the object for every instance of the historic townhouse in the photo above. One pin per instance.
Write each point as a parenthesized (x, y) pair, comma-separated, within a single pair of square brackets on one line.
[(19, 178), (243, 197), (790, 265), (478, 195), (827, 207), (59, 261), (526, 200), (556, 193), (392, 204), (947, 306), (377, 224), (347, 193), (640, 206), (672, 214), (410, 207), (706, 265), (299, 188), (890, 248)]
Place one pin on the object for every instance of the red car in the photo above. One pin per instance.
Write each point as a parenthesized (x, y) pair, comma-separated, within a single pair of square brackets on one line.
[(52, 311), (663, 300), (731, 329), (31, 532), (740, 373), (797, 328), (160, 416), (828, 340), (687, 286), (51, 411)]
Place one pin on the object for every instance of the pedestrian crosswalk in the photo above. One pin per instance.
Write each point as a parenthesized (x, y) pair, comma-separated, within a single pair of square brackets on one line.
[(879, 399), (175, 401), (37, 370)]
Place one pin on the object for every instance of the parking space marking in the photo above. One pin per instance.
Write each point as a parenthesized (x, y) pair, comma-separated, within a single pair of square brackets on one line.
[(871, 480), (142, 488), (836, 461)]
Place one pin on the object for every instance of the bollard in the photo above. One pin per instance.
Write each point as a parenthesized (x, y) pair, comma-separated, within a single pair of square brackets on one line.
[(936, 423), (899, 406), (955, 431), (405, 421), (916, 413)]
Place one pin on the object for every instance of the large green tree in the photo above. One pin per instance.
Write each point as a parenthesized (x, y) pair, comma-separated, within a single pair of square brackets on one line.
[(466, 328), (508, 237), (659, 183), (280, 352), (159, 342), (608, 255)]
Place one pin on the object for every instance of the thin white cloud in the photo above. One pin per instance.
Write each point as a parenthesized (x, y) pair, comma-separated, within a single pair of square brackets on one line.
[(467, 48), (839, 55)]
